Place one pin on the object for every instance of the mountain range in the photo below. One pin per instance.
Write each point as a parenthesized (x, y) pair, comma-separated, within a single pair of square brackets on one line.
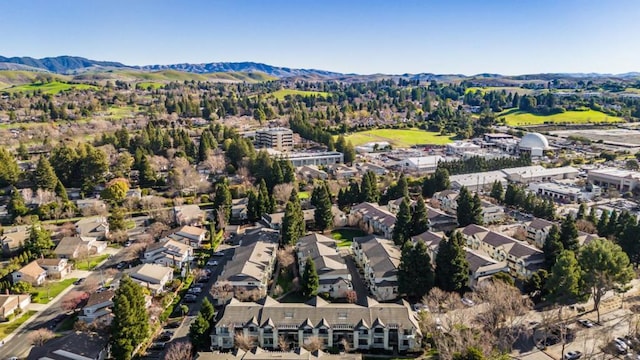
[(74, 65)]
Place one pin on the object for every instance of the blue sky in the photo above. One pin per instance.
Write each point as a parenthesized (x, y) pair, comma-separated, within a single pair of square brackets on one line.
[(351, 36)]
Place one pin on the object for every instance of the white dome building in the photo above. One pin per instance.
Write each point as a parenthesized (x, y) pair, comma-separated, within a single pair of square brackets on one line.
[(533, 144)]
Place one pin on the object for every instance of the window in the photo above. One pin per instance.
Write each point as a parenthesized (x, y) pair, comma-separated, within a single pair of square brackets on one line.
[(378, 331), (363, 342)]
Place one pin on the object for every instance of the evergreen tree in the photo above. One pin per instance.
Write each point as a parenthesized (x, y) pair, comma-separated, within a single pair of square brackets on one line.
[(582, 211), (293, 226), (415, 274), (569, 234), (402, 229), (322, 214), (497, 191), (61, 192), (419, 220), (147, 177), (469, 210), (207, 310), (116, 219), (130, 325), (612, 224), (603, 223), (222, 201), (39, 242), (452, 268), (44, 177), (441, 179), (288, 171), (16, 206), (565, 283), (198, 331), (370, 191), (511, 194), (349, 153), (552, 247), (592, 216), (9, 169), (310, 280), (254, 208)]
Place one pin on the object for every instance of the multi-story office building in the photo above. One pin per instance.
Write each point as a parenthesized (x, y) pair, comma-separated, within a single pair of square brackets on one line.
[(276, 138)]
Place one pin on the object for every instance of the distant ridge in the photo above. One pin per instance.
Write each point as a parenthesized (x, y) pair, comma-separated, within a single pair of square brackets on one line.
[(73, 65)]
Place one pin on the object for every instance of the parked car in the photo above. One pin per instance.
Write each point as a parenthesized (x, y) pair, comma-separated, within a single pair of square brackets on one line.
[(79, 281), (420, 307), (218, 253), (467, 302), (121, 265), (164, 337), (157, 346), (172, 325), (212, 263), (622, 342), (573, 355), (586, 323), (189, 298)]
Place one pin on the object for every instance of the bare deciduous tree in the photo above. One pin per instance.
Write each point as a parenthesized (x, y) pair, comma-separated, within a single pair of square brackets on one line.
[(243, 342), (182, 350), (282, 343), (351, 296), (156, 229), (441, 301), (313, 343), (73, 299), (286, 256), (282, 192), (215, 161), (41, 336)]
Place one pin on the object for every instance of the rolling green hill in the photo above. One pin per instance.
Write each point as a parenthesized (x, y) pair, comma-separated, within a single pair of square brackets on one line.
[(53, 87), (21, 77)]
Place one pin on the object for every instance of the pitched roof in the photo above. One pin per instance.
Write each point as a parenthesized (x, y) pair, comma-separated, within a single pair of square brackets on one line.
[(384, 255), (376, 213), (430, 238), (192, 230), (100, 297), (540, 224), (76, 345), (294, 315), (32, 269), (151, 273)]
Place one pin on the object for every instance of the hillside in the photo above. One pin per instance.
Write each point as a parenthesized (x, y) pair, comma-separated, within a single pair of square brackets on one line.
[(19, 77), (172, 75)]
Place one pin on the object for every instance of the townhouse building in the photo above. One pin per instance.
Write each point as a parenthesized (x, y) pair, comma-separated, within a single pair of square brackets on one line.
[(368, 326), (379, 258), (333, 274)]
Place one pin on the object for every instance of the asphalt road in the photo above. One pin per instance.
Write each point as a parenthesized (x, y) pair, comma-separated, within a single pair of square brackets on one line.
[(357, 280)]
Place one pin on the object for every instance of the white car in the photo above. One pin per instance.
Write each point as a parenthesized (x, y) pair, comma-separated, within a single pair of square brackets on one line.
[(586, 323), (573, 355), (467, 302), (621, 342), (212, 263)]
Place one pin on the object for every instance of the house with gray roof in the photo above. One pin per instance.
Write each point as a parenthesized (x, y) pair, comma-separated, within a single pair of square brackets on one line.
[(537, 230), (151, 276), (379, 258), (523, 259), (251, 267), (76, 345), (333, 274), (367, 326), (372, 219)]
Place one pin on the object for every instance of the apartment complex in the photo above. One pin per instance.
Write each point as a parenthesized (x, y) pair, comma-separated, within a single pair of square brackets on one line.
[(379, 258), (523, 259), (368, 326), (278, 138), (333, 274), (251, 267), (372, 218)]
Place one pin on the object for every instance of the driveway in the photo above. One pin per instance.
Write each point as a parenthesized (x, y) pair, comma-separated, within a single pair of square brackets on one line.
[(356, 279)]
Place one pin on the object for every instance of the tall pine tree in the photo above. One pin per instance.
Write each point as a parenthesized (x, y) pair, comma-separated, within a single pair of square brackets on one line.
[(569, 234), (402, 229), (322, 214), (419, 219), (552, 247), (452, 268), (415, 274), (130, 325), (310, 280), (293, 226)]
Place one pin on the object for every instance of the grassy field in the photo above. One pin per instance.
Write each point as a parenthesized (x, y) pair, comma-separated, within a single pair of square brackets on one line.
[(519, 118), (92, 263), (53, 87), (399, 137), (344, 237), (8, 328), (173, 75), (508, 89), (40, 295), (20, 77), (280, 94), (147, 84)]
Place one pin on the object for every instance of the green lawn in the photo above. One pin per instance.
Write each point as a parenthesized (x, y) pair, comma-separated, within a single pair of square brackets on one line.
[(146, 84), (280, 94), (344, 237), (303, 195), (40, 295), (399, 137), (53, 87), (91, 263), (516, 118), (8, 328)]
